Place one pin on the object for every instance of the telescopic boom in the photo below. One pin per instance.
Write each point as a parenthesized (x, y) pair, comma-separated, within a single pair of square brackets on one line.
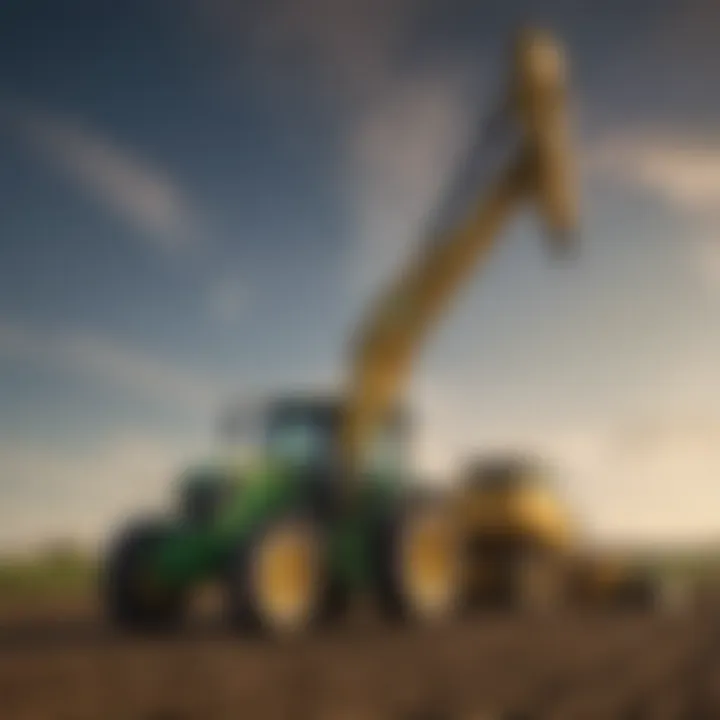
[(393, 332)]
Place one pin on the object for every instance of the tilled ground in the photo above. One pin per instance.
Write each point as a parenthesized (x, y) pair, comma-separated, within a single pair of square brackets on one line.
[(62, 662)]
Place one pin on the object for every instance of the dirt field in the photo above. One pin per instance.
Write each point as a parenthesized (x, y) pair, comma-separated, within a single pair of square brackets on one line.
[(60, 661)]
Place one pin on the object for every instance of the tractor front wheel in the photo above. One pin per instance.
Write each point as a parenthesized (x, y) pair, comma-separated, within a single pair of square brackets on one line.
[(645, 591), (279, 579)]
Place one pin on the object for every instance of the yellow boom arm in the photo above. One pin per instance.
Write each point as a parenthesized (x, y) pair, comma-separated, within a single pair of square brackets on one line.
[(395, 328)]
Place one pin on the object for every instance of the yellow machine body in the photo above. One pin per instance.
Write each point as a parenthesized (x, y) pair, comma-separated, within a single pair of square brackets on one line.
[(511, 512), (531, 513), (508, 510)]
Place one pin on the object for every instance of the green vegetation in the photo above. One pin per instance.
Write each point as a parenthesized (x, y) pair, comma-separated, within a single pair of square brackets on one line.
[(694, 573), (58, 570), (696, 564)]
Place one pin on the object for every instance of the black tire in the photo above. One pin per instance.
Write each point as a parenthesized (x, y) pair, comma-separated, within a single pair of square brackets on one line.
[(127, 603), (397, 598), (645, 592), (673, 596), (537, 583), (250, 612)]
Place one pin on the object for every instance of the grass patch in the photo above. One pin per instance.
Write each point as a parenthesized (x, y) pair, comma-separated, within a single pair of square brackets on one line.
[(56, 571), (702, 564)]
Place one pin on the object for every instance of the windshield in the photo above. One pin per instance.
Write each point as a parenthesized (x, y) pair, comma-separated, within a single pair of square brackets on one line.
[(299, 440), (307, 436)]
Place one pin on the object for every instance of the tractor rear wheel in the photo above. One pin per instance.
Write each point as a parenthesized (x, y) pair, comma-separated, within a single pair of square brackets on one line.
[(419, 565), (135, 598), (279, 580)]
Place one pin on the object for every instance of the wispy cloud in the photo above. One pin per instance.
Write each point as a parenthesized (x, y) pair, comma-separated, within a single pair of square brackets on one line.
[(404, 124), (682, 170), (401, 155), (402, 120), (128, 185), (124, 368)]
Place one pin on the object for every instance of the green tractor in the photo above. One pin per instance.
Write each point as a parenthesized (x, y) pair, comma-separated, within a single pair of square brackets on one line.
[(326, 511), (283, 538)]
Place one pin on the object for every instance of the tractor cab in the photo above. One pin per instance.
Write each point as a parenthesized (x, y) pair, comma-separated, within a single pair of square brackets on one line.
[(204, 488), (306, 433), (302, 433), (295, 436)]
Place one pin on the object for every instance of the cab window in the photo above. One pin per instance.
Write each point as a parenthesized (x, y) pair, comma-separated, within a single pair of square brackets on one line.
[(298, 441)]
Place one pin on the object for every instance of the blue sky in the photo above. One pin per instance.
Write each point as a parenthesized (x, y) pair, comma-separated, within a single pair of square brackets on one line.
[(199, 197)]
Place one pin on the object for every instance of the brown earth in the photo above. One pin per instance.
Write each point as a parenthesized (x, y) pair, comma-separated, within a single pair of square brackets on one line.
[(60, 661)]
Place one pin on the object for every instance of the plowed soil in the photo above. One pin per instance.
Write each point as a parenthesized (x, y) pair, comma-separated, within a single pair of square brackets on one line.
[(61, 661)]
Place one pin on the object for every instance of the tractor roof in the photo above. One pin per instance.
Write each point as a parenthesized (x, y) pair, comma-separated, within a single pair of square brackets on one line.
[(326, 407)]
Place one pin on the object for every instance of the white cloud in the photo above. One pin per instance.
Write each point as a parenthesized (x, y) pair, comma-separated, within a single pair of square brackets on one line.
[(683, 171), (401, 155), (128, 185), (54, 493), (125, 368), (403, 123)]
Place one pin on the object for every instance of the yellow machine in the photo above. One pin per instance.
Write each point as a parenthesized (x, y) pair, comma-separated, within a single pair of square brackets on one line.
[(520, 538), (342, 530), (524, 545)]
